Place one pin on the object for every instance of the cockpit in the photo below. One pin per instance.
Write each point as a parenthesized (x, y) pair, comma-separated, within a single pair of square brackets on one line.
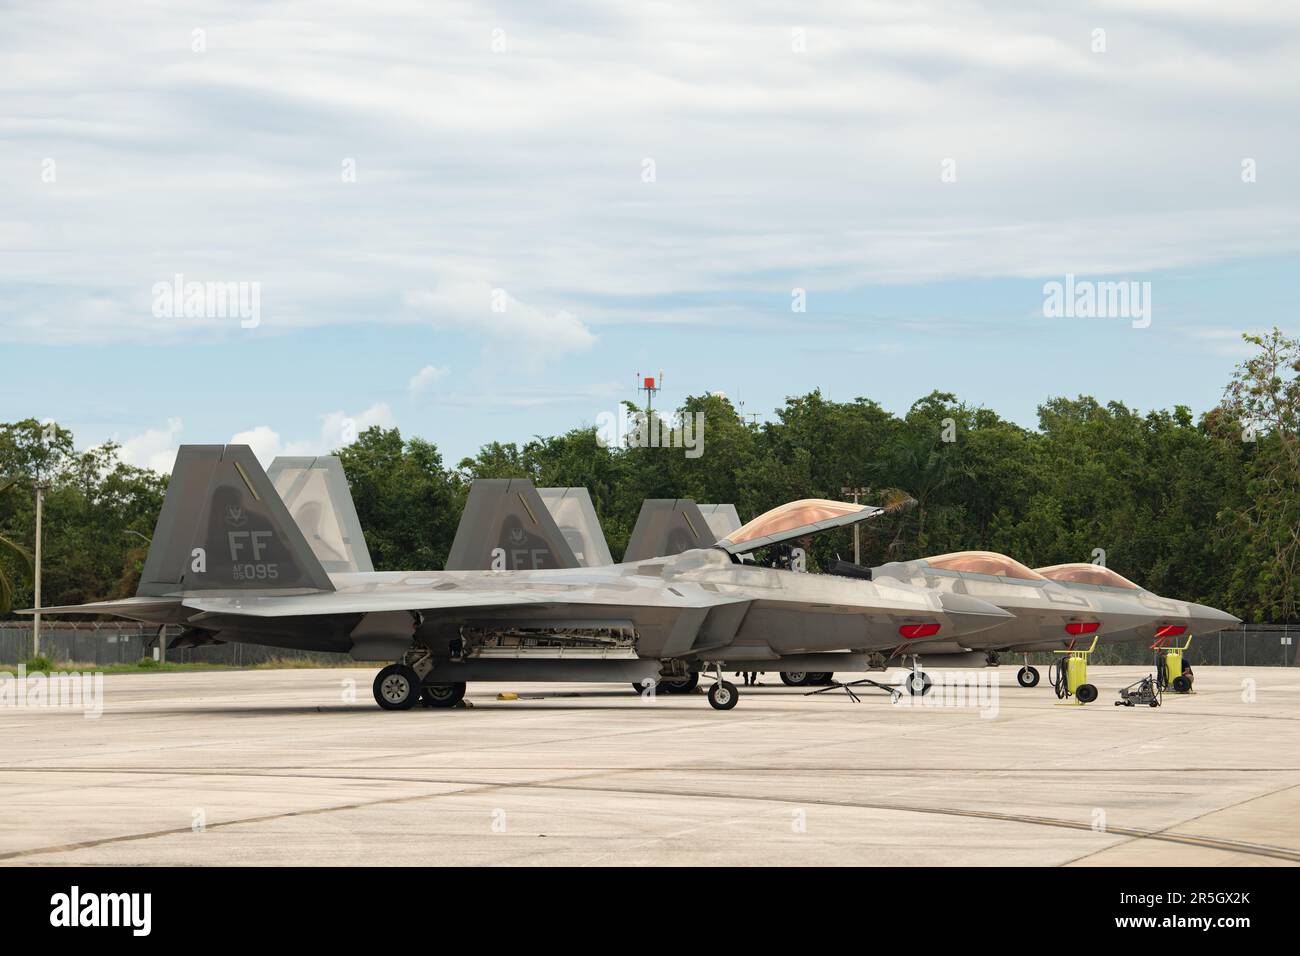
[(1087, 574), (983, 562)]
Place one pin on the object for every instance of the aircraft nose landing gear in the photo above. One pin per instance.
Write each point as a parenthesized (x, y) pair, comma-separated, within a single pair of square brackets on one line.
[(918, 682), (1027, 676), (722, 695)]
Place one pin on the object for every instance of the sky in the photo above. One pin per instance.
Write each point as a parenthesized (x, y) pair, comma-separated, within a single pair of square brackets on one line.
[(482, 221)]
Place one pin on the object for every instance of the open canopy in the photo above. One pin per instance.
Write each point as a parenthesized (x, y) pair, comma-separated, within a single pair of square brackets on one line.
[(795, 520)]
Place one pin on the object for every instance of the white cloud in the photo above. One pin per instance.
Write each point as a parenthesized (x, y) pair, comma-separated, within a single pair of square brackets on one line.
[(340, 428), (267, 444), (154, 448), (521, 170), (337, 429), (524, 331), (425, 378)]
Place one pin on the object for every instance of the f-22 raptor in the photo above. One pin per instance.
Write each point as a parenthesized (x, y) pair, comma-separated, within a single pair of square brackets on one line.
[(229, 563)]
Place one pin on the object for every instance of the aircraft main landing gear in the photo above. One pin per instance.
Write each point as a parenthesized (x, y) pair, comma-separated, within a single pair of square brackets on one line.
[(397, 687), (676, 684), (442, 695), (807, 678)]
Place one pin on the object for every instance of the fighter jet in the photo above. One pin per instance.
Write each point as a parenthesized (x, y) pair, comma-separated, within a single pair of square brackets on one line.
[(1052, 608), (228, 562), (1166, 618)]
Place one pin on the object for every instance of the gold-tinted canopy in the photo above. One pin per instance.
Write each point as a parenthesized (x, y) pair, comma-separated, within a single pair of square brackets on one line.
[(806, 516), (1081, 573), (983, 562)]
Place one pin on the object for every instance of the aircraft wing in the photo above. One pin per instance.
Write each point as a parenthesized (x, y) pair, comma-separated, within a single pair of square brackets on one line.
[(433, 602)]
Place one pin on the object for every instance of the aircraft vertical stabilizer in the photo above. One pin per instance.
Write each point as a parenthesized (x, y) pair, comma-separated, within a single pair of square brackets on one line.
[(223, 527), (574, 512), (668, 526), (315, 490), (506, 527)]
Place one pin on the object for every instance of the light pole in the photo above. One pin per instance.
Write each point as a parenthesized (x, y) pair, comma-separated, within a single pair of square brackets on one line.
[(857, 548), (162, 631), (36, 583)]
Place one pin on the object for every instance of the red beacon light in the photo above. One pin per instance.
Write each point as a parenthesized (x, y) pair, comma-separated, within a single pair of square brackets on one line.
[(1081, 627), (913, 631), (1171, 630)]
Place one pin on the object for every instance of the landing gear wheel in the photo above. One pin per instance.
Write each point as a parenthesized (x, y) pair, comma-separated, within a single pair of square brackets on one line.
[(679, 685), (442, 695), (1086, 693), (794, 678), (1027, 676), (918, 683), (397, 687), (637, 686), (723, 696)]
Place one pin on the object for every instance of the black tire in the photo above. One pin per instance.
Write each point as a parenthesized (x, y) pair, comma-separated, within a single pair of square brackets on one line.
[(1086, 693), (795, 678), (1181, 684), (442, 695), (820, 678), (1027, 676), (723, 696), (919, 683), (1155, 703), (397, 687), (636, 686), (679, 685)]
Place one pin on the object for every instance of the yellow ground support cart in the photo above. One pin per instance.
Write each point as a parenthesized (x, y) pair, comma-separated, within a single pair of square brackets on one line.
[(1069, 677), (1173, 673)]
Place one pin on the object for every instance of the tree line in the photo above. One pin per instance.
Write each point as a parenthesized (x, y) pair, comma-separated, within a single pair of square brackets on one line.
[(1204, 509)]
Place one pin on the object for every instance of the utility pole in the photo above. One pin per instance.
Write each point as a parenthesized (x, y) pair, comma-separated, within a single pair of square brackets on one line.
[(857, 545), (36, 618)]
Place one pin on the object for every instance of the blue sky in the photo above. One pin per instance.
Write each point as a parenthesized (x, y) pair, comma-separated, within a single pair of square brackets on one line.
[(501, 156)]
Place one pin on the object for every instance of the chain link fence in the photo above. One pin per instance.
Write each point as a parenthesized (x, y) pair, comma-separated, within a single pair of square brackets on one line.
[(1251, 645), (112, 642)]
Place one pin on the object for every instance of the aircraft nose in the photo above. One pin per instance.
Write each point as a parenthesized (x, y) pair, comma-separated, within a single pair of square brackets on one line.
[(1118, 615), (966, 614), (1207, 620)]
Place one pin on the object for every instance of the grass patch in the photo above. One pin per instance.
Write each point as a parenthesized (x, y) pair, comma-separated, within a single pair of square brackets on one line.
[(134, 667), (147, 665)]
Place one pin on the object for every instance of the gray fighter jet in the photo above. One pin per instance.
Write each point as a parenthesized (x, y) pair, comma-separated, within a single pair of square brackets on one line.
[(1052, 608), (1166, 618), (229, 563)]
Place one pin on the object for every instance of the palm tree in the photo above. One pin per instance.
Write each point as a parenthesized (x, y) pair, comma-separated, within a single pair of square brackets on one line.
[(11, 547)]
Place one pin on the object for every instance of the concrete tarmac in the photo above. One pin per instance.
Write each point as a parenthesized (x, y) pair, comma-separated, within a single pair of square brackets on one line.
[(301, 767)]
